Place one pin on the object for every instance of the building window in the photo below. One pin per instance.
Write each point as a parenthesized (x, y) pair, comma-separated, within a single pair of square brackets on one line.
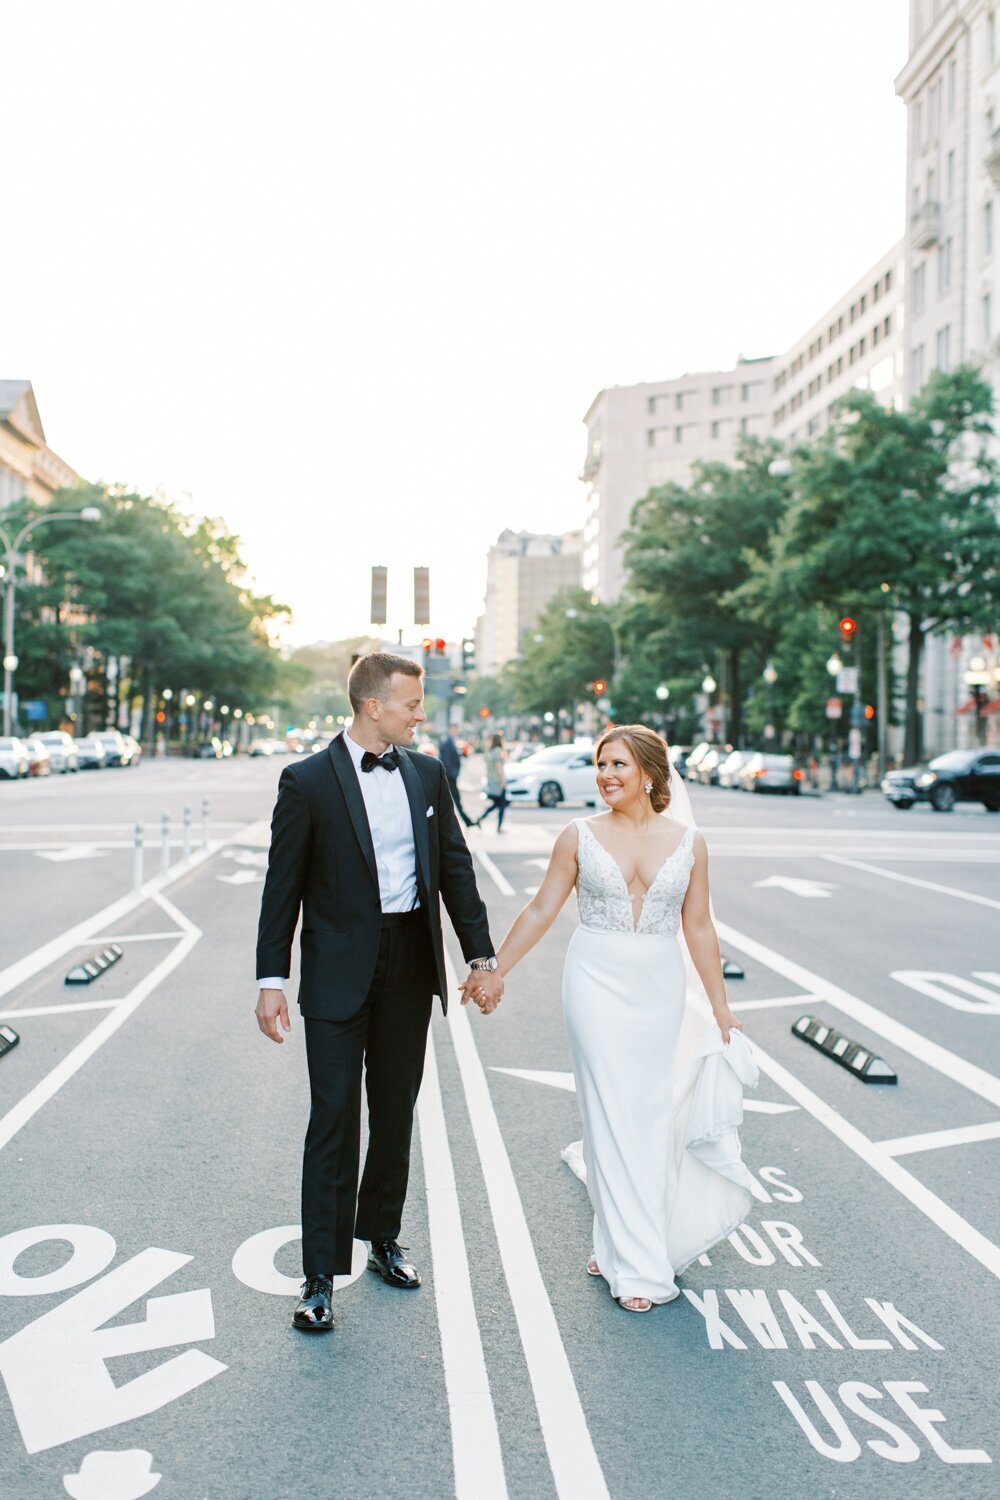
[(918, 289), (862, 345), (943, 347), (944, 267), (991, 36), (887, 326), (876, 334), (887, 280), (917, 367), (716, 429), (744, 424), (987, 318), (949, 177), (919, 132), (988, 227), (651, 406), (952, 84), (678, 434), (863, 304)]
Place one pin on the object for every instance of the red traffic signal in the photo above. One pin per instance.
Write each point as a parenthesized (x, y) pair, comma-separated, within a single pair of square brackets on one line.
[(869, 711), (848, 627), (439, 646)]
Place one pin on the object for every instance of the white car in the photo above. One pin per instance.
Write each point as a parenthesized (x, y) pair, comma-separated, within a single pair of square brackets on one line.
[(14, 759), (62, 750), (560, 773)]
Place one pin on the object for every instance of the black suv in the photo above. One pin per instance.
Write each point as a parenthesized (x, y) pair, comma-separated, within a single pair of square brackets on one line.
[(959, 776)]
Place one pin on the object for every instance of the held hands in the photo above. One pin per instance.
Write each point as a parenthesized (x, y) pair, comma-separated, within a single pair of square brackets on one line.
[(272, 1007), (485, 987), (727, 1022)]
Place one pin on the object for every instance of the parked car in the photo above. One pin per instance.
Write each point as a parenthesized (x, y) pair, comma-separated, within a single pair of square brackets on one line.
[(729, 770), (708, 766), (62, 750), (261, 747), (134, 749), (678, 757), (90, 753), (771, 773), (116, 752), (694, 760), (39, 759), (957, 776), (14, 759), (560, 773), (209, 749)]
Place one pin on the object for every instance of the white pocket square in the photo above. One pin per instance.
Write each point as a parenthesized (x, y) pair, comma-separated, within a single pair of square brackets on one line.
[(430, 812)]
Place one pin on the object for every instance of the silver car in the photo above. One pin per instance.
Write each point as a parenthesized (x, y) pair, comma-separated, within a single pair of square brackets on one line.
[(729, 771), (771, 773), (62, 750), (90, 754), (14, 759)]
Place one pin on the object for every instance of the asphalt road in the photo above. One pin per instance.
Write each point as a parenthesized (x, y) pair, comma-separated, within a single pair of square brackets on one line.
[(149, 1153)]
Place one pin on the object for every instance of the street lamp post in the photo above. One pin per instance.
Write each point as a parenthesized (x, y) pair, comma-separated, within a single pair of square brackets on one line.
[(770, 676), (708, 686), (662, 694), (11, 550)]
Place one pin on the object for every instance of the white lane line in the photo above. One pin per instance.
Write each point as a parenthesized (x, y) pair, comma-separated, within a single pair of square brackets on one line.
[(933, 1140), (576, 1470), (58, 1010), (502, 884), (475, 1441), (74, 1060), (966, 1074), (928, 1203), (787, 1000), (927, 885), (75, 937), (137, 937)]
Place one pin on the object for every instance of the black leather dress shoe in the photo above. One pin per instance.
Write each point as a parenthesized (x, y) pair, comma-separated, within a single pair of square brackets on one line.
[(389, 1261), (313, 1311)]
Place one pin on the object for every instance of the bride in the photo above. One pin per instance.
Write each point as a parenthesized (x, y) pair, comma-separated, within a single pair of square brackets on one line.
[(660, 1154)]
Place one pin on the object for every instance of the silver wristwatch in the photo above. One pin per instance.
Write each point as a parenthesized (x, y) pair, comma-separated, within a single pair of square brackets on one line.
[(485, 965)]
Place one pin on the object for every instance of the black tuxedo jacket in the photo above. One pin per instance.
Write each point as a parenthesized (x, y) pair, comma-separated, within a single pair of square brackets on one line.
[(322, 860)]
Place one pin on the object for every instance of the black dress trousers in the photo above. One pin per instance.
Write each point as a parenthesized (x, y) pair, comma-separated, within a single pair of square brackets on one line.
[(388, 1035)]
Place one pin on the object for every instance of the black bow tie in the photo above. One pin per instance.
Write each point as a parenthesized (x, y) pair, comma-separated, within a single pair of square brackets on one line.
[(389, 761)]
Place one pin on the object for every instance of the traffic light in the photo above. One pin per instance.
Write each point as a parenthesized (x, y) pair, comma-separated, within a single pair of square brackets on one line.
[(379, 586), (440, 645), (848, 628), (869, 710), (468, 655), (426, 643), (598, 687), (421, 596)]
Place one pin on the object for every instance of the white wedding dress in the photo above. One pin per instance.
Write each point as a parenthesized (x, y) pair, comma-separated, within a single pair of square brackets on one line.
[(660, 1152)]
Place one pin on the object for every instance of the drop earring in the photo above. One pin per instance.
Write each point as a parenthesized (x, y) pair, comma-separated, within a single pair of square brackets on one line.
[(649, 786)]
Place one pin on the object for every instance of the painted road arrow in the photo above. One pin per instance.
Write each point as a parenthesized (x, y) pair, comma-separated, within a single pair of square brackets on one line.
[(240, 877), (812, 889), (71, 851)]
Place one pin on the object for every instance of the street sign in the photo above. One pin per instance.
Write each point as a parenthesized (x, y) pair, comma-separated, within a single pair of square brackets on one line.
[(34, 710), (834, 708), (847, 680)]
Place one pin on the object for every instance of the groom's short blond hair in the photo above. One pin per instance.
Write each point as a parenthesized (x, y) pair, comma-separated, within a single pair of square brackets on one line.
[(371, 676)]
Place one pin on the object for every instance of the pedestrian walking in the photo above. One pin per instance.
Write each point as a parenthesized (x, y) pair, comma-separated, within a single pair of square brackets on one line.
[(451, 759), (365, 842), (496, 781)]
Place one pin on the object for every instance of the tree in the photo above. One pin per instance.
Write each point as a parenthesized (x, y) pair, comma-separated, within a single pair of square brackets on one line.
[(687, 550), (896, 511), (571, 646)]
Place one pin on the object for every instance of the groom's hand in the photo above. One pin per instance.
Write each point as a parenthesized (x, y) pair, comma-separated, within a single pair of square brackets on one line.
[(272, 1007), (485, 986)]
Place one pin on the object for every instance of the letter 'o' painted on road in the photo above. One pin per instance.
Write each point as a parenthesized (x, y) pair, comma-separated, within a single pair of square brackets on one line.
[(253, 1263), (93, 1251)]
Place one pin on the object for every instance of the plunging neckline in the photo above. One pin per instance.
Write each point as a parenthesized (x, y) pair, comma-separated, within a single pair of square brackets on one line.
[(584, 823)]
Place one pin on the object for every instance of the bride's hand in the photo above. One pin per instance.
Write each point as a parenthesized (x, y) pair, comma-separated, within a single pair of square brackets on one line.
[(727, 1022)]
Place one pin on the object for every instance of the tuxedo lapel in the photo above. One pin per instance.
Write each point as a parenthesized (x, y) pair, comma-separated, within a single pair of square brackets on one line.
[(418, 815), (340, 759)]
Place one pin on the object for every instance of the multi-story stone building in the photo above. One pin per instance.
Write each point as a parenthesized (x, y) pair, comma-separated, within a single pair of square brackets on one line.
[(523, 572), (28, 467), (951, 89)]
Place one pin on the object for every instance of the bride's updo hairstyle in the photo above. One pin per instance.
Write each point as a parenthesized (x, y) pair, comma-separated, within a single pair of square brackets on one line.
[(650, 755)]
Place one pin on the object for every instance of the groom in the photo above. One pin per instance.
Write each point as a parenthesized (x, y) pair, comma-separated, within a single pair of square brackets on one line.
[(365, 841)]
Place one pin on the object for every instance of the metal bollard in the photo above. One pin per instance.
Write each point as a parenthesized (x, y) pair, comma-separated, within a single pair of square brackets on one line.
[(137, 859), (165, 844), (204, 821), (187, 833)]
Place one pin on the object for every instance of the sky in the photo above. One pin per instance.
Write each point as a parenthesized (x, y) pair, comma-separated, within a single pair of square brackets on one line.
[(348, 276)]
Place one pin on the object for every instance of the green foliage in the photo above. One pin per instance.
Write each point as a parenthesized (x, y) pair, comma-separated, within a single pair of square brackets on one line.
[(571, 646)]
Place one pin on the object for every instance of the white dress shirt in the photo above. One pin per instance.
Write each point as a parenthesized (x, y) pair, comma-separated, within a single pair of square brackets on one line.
[(388, 809)]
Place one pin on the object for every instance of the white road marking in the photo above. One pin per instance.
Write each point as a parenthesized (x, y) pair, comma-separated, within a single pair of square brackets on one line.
[(933, 1140), (927, 885), (475, 1440), (69, 852), (935, 986), (74, 1060), (576, 1470), (780, 1003), (57, 1010), (241, 877), (502, 884), (966, 1074), (137, 937), (928, 1203), (568, 1082), (76, 937), (811, 889)]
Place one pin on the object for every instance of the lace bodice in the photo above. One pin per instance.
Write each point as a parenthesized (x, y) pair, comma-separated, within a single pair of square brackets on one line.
[(605, 903)]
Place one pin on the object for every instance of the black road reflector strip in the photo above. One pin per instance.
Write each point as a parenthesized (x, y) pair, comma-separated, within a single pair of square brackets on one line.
[(850, 1055), (86, 973), (732, 970), (8, 1039)]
